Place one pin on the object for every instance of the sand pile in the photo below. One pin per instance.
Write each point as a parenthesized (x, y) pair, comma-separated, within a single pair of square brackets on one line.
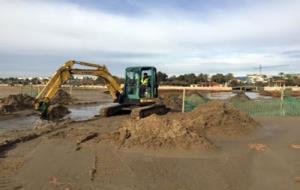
[(187, 130), (240, 96), (17, 102), (62, 97), (172, 100), (159, 132), (218, 117)]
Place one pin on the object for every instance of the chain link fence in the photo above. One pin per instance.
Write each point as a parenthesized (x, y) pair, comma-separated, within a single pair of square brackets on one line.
[(285, 107)]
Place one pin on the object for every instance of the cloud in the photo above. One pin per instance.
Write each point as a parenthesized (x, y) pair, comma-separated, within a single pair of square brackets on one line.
[(168, 37)]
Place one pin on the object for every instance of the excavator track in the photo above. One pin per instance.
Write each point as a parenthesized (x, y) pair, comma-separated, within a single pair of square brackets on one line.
[(145, 111), (135, 111), (111, 110)]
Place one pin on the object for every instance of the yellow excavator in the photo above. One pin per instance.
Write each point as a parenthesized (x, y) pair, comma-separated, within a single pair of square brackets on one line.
[(136, 97)]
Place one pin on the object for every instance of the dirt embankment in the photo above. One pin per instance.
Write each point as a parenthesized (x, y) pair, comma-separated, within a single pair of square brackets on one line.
[(240, 96), (184, 130), (219, 118), (14, 103), (20, 102)]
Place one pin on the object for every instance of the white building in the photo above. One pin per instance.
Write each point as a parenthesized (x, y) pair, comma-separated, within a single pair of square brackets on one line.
[(254, 78)]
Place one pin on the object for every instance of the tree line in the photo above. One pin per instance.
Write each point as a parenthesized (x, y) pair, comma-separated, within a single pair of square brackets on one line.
[(191, 78), (164, 79)]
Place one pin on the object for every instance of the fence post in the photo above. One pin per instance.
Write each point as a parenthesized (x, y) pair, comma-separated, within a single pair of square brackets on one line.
[(21, 89), (281, 102), (70, 89), (38, 89), (31, 89), (183, 100)]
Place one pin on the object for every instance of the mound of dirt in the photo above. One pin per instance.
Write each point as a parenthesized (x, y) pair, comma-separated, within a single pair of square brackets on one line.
[(240, 96), (57, 111), (159, 132), (62, 97), (172, 100), (176, 130), (17, 102), (218, 117)]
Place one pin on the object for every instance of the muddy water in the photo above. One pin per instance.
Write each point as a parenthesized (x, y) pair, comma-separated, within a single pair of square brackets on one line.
[(227, 95), (19, 123), (78, 113)]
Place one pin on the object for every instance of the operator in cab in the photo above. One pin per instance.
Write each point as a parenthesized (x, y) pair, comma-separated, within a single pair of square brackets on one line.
[(145, 85)]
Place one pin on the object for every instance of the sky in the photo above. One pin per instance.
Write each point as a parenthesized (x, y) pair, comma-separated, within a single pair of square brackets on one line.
[(176, 36)]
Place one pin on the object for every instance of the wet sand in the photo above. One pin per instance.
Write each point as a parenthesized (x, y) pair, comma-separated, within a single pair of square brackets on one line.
[(53, 161)]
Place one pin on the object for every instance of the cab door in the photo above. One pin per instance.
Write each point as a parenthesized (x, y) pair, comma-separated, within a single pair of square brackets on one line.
[(132, 85)]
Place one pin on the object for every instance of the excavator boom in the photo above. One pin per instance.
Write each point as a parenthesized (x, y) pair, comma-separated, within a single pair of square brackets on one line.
[(64, 73)]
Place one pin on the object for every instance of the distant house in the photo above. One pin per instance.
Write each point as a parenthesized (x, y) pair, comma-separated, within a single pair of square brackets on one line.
[(279, 83), (241, 79), (254, 78)]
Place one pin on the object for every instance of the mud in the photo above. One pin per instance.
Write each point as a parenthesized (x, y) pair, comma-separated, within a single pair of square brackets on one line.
[(240, 96), (11, 138), (52, 162), (220, 118), (57, 111), (17, 102)]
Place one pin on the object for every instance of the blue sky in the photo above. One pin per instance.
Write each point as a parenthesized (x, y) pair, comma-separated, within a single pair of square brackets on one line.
[(176, 36)]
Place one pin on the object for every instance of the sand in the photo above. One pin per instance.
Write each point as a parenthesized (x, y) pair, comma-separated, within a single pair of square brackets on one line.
[(187, 130), (53, 162), (159, 132), (75, 156)]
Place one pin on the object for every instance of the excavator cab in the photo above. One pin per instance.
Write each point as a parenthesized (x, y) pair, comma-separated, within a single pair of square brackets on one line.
[(140, 85)]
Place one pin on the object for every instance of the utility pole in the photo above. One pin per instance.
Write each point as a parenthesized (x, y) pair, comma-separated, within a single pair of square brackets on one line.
[(260, 69)]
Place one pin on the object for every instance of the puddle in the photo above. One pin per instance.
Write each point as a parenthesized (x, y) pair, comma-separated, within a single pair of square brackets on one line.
[(78, 113), (255, 95), (19, 123)]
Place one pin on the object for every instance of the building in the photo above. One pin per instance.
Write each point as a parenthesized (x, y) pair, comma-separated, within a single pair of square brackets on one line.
[(254, 78)]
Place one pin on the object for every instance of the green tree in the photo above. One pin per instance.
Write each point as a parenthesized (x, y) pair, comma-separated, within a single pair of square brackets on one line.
[(161, 77), (229, 77), (219, 78)]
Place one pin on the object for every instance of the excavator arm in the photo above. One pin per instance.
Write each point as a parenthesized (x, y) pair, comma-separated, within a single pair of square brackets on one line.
[(64, 73)]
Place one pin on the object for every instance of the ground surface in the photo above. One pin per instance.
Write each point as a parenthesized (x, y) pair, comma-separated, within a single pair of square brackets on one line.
[(64, 158), (54, 161)]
